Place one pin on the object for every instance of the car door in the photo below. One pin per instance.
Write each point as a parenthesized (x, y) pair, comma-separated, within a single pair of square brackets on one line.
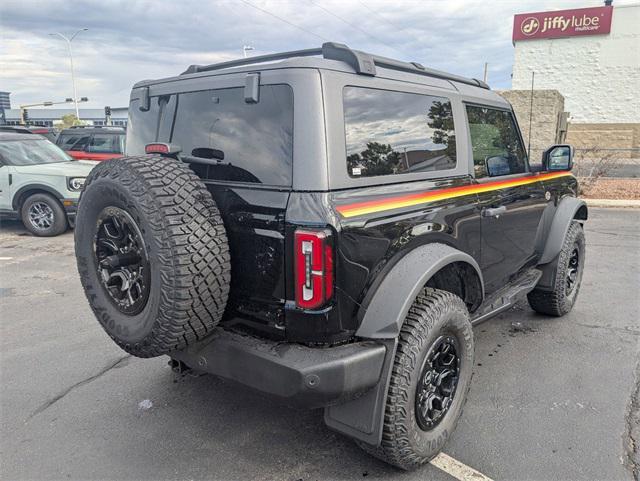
[(511, 199), (243, 152), (104, 146), (74, 143), (5, 187)]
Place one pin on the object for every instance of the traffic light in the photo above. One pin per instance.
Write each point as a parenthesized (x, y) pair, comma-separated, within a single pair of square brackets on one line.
[(107, 111), (25, 116)]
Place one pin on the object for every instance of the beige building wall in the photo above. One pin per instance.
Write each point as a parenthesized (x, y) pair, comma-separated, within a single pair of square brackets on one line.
[(598, 75), (548, 107)]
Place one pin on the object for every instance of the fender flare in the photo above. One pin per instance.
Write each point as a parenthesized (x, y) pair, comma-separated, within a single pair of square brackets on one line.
[(41, 187), (566, 212), (384, 310)]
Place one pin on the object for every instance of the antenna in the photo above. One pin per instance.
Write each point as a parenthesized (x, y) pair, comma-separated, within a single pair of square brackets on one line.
[(533, 74)]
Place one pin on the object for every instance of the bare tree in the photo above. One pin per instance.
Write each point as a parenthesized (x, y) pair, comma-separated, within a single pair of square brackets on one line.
[(595, 163)]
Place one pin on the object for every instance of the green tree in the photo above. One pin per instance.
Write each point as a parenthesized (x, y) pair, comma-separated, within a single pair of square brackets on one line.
[(376, 159), (69, 120), (441, 120)]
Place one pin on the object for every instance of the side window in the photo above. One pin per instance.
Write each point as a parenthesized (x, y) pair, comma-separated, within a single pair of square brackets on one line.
[(73, 141), (396, 133), (251, 142), (145, 127), (497, 148), (106, 144)]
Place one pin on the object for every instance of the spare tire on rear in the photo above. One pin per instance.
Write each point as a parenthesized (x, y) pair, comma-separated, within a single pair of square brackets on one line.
[(152, 254)]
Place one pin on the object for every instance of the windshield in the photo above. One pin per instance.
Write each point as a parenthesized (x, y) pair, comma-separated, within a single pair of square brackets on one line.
[(31, 152)]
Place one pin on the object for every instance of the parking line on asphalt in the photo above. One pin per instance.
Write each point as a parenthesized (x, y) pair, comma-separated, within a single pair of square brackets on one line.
[(6, 258), (458, 470)]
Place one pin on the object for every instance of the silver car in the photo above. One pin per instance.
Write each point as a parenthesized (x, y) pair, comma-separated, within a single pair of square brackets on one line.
[(39, 183)]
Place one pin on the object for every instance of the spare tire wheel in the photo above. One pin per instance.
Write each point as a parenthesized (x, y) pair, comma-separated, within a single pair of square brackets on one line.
[(152, 254)]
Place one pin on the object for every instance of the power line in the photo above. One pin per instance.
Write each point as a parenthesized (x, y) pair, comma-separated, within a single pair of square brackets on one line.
[(285, 20), (384, 19), (355, 26)]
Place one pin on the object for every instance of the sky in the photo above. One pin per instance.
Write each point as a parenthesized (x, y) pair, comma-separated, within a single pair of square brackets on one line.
[(132, 40)]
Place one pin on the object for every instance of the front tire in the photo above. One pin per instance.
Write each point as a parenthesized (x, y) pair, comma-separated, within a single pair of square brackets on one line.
[(430, 379), (560, 299), (43, 215)]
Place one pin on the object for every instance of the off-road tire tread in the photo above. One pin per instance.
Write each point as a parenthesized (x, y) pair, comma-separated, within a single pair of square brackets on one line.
[(553, 302), (193, 254), (395, 447)]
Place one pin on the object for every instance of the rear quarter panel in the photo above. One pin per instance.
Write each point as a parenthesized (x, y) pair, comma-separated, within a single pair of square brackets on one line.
[(376, 231)]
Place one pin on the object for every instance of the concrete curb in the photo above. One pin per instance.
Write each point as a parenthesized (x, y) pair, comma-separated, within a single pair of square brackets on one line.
[(617, 203)]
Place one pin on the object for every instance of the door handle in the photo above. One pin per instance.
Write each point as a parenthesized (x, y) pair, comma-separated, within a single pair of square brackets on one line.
[(493, 211)]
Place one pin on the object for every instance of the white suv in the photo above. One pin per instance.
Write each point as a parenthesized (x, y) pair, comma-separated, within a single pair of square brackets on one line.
[(39, 183)]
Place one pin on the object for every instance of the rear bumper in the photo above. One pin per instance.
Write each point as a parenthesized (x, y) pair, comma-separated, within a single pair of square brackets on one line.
[(313, 377)]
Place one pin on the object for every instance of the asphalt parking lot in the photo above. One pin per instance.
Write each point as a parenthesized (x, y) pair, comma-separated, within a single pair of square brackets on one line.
[(551, 398)]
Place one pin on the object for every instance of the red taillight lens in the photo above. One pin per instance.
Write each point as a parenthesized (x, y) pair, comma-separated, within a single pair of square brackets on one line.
[(313, 268), (156, 148)]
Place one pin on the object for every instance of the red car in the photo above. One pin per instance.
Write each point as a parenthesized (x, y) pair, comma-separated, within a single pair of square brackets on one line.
[(92, 143)]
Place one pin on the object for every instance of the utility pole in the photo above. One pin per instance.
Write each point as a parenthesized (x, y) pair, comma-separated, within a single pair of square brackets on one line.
[(484, 76), (73, 76)]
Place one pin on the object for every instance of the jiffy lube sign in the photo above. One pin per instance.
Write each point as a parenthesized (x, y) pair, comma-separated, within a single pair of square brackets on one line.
[(562, 23)]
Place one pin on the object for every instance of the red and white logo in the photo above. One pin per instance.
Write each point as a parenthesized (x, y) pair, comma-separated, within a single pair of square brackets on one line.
[(530, 26)]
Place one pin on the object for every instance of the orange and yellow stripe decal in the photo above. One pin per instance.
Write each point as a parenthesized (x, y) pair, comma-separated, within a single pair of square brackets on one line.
[(373, 206)]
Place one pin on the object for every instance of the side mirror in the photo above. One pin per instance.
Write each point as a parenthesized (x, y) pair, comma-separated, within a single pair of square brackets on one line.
[(558, 157), (497, 165)]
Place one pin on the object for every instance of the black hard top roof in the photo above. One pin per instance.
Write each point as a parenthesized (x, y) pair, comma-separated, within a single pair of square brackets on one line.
[(90, 129), (329, 56)]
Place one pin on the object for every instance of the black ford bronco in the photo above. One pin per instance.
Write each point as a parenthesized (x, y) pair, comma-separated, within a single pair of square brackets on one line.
[(327, 225)]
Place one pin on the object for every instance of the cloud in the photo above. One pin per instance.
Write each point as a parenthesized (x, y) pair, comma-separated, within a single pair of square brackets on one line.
[(133, 40)]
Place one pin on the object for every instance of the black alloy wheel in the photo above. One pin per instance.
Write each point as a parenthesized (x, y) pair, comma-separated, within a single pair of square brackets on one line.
[(438, 382), (122, 261), (573, 267)]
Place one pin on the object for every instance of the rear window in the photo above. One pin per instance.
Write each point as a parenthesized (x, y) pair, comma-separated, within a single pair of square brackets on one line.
[(250, 142), (153, 125), (73, 141), (397, 132)]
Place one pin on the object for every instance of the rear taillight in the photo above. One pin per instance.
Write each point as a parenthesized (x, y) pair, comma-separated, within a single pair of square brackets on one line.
[(162, 148), (313, 268)]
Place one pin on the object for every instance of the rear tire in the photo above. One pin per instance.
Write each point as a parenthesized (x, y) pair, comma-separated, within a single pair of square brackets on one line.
[(152, 254), (560, 299), (43, 215), (412, 437)]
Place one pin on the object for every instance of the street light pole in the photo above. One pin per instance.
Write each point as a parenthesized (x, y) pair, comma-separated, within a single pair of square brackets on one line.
[(73, 75)]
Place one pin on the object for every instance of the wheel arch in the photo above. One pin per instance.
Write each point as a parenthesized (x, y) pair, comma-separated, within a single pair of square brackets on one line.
[(435, 265), (568, 210), (27, 190)]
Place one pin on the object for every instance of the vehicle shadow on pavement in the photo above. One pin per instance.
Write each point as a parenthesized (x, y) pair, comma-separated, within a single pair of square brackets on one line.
[(261, 437)]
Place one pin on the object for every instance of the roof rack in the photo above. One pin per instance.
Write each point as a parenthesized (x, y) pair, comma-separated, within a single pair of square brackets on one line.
[(363, 63), (113, 127)]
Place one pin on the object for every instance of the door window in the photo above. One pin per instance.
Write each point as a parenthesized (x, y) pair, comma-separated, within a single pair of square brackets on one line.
[(497, 148), (397, 132)]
